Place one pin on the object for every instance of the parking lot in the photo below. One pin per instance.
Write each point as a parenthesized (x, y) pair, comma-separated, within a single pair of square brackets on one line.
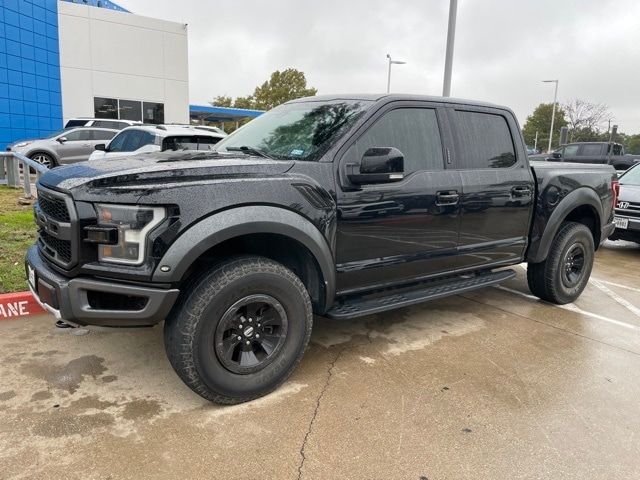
[(491, 384)]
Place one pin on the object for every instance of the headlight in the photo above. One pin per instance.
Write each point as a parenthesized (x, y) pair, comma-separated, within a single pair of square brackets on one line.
[(21, 144), (133, 224)]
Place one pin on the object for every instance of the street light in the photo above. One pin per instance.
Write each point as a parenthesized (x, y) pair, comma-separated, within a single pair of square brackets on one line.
[(448, 59), (396, 62), (553, 112)]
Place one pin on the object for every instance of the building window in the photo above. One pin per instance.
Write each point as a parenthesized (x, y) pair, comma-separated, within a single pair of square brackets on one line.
[(147, 112), (130, 110), (153, 112), (105, 107)]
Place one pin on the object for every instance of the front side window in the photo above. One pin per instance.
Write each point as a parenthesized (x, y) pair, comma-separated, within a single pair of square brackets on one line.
[(570, 151), (105, 107), (78, 135), (483, 140), (117, 144), (413, 131), (297, 131)]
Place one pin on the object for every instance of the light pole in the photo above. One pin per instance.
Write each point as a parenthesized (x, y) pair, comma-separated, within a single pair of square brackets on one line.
[(396, 62), (448, 59), (553, 111)]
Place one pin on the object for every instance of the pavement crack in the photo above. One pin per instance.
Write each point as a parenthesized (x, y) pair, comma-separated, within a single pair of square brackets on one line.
[(303, 447)]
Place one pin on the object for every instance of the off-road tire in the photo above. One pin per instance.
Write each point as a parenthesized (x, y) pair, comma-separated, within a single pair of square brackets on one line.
[(190, 328), (546, 278)]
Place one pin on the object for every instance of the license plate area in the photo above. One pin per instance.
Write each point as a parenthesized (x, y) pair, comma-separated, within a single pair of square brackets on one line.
[(621, 222)]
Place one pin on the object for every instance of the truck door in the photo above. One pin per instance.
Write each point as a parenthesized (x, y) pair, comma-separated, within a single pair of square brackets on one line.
[(592, 153), (497, 187), (396, 232)]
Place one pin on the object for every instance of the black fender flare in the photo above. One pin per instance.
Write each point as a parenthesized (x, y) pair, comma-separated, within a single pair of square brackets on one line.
[(235, 222), (578, 198)]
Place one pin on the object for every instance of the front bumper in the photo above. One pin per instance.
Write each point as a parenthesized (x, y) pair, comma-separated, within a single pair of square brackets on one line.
[(74, 300), (631, 233)]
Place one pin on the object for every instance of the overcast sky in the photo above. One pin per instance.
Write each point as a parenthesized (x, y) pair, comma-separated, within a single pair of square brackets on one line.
[(504, 48)]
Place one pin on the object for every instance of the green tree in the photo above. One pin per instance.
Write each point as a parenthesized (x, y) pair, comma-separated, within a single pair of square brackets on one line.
[(633, 144), (282, 87), (540, 121), (222, 101)]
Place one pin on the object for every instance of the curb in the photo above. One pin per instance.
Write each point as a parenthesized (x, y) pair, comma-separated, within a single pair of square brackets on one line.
[(18, 304)]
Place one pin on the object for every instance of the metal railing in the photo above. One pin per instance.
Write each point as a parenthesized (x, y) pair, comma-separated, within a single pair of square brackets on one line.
[(16, 170)]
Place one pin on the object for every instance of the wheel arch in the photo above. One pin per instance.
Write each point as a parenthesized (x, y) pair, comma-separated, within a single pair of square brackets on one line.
[(53, 156), (583, 205), (273, 232)]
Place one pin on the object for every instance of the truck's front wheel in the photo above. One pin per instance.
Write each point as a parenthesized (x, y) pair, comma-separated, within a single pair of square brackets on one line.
[(562, 277), (240, 330)]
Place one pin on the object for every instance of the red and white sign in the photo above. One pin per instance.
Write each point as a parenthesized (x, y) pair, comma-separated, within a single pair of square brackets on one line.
[(19, 304)]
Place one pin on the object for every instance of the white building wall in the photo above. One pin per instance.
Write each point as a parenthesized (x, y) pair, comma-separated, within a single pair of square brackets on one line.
[(105, 53)]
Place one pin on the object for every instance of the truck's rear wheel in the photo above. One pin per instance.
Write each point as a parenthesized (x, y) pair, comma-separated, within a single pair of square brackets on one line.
[(562, 277), (240, 330)]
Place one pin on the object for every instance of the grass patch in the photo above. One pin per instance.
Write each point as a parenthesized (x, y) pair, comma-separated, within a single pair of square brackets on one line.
[(17, 233)]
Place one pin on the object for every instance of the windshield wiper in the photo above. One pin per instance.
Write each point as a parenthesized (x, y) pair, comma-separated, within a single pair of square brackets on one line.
[(249, 151)]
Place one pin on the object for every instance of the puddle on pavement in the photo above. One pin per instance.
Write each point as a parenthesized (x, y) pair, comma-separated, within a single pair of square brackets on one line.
[(66, 377)]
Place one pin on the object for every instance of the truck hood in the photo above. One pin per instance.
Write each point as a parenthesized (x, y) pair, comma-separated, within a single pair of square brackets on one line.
[(165, 167)]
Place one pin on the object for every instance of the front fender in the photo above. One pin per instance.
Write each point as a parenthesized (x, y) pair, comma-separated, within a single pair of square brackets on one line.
[(228, 224), (580, 197)]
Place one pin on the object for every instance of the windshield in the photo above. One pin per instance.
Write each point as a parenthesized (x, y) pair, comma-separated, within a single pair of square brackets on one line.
[(631, 177), (296, 131), (59, 132)]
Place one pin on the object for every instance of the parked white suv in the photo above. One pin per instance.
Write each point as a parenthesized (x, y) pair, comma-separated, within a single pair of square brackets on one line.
[(156, 138), (100, 123)]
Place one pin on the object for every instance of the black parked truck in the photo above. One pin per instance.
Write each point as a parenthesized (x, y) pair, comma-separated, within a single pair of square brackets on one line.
[(340, 206), (592, 153)]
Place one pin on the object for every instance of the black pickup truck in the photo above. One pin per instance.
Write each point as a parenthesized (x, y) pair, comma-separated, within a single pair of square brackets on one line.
[(337, 206), (592, 153)]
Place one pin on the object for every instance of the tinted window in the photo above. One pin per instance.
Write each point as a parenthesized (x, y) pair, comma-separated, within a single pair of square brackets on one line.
[(413, 131), (105, 107), (76, 123), (483, 140), (570, 151), (77, 135), (188, 142), (130, 110), (617, 149), (137, 139), (591, 150), (153, 112), (118, 141), (110, 124), (102, 135)]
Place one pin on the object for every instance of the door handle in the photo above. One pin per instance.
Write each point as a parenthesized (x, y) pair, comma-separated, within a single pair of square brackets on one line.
[(521, 191), (447, 198)]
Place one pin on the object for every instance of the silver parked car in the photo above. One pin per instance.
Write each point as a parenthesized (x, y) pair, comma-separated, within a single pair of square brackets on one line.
[(66, 146)]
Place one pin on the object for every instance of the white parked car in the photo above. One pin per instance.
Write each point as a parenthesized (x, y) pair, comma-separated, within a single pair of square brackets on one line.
[(156, 138)]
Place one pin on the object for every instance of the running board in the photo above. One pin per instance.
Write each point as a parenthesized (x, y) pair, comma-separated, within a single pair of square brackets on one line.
[(358, 307)]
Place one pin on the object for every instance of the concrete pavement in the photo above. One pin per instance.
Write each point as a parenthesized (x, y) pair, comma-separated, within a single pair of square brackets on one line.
[(490, 385)]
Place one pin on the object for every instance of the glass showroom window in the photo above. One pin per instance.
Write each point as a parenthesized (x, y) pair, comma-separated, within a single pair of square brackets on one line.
[(153, 112), (130, 110), (105, 107)]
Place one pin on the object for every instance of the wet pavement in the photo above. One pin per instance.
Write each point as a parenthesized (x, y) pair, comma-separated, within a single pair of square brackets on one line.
[(494, 384)]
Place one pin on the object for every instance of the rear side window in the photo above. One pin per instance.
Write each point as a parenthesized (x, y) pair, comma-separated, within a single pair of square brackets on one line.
[(591, 150), (483, 140), (110, 124), (189, 142), (102, 135), (76, 123), (413, 131)]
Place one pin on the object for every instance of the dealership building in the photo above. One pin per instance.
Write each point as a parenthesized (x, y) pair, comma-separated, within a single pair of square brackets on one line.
[(87, 58)]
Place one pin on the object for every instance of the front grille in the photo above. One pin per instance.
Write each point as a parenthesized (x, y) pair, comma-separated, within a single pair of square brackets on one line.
[(54, 247), (58, 236), (630, 209), (53, 207)]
